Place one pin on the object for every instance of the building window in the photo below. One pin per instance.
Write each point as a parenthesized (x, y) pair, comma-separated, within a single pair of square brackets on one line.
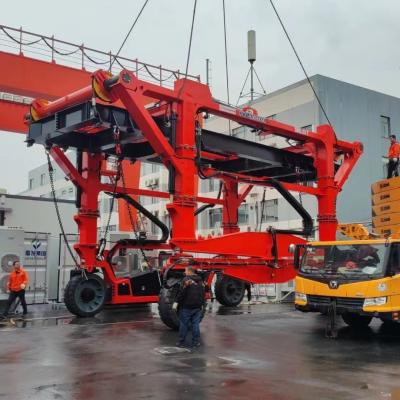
[(155, 168), (31, 183), (239, 132), (64, 192), (243, 214), (70, 190), (213, 185), (42, 179), (270, 210), (215, 218), (385, 126)]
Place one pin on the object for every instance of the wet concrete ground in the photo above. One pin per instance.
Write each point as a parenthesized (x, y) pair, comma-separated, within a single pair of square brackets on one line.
[(253, 352)]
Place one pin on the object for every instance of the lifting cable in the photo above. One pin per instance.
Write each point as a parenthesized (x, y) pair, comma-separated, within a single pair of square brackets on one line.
[(55, 201), (189, 49), (226, 63), (302, 66), (130, 30)]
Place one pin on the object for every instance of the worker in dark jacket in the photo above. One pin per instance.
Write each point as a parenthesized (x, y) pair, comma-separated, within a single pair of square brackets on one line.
[(190, 300)]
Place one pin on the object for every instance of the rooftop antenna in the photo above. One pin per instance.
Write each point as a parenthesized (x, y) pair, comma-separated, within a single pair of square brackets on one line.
[(251, 56)]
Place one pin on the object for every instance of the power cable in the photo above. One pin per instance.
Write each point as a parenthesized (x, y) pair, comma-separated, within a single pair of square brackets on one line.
[(130, 30), (302, 66), (226, 62)]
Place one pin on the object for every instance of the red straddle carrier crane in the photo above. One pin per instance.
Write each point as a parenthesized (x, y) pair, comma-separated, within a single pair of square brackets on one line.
[(112, 117)]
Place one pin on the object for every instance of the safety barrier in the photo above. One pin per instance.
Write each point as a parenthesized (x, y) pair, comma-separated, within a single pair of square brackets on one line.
[(58, 51)]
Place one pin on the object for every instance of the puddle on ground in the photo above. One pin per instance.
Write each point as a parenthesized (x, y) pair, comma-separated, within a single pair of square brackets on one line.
[(198, 362), (169, 351), (230, 311)]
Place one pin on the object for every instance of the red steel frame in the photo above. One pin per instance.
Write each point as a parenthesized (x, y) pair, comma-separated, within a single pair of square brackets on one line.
[(188, 100)]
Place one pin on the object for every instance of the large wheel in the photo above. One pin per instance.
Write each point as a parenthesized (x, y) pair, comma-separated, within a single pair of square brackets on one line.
[(228, 291), (167, 314), (85, 297), (355, 320)]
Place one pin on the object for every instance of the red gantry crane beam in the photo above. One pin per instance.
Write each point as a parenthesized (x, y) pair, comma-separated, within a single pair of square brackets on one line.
[(38, 66)]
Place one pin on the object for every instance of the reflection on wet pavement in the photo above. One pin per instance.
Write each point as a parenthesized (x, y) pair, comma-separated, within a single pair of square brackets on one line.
[(251, 352)]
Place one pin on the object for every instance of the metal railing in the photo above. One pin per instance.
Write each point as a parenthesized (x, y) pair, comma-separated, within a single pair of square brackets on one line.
[(46, 48)]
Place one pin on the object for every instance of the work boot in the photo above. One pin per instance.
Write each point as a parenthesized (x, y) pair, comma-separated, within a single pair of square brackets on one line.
[(196, 344), (180, 344)]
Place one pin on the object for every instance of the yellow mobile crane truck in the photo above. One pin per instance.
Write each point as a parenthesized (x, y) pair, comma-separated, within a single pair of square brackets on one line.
[(359, 278)]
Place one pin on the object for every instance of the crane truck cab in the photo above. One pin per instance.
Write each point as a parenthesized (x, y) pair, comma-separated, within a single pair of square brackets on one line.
[(358, 279)]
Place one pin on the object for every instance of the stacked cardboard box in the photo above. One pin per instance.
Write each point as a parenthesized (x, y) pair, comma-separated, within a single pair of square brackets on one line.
[(386, 206)]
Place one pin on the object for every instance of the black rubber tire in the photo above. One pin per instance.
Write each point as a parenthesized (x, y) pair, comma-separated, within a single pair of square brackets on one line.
[(165, 302), (85, 297), (356, 321), (229, 291), (167, 314)]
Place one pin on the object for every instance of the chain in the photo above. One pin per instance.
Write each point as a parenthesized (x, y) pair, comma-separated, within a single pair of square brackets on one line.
[(53, 192)]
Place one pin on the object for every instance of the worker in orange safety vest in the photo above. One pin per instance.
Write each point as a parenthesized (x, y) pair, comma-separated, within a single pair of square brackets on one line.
[(394, 154), (17, 282)]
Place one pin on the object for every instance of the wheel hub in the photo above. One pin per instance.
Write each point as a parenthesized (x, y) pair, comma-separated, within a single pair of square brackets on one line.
[(87, 295)]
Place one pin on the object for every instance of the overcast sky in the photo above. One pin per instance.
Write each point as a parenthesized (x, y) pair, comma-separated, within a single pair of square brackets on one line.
[(352, 40)]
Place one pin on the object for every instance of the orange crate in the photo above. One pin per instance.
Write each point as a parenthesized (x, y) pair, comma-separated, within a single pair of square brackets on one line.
[(385, 185), (386, 197), (386, 208), (386, 219), (386, 230)]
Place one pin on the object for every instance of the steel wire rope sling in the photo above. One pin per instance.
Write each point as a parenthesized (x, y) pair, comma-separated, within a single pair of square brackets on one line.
[(129, 32), (226, 63), (302, 66), (116, 135), (189, 49)]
